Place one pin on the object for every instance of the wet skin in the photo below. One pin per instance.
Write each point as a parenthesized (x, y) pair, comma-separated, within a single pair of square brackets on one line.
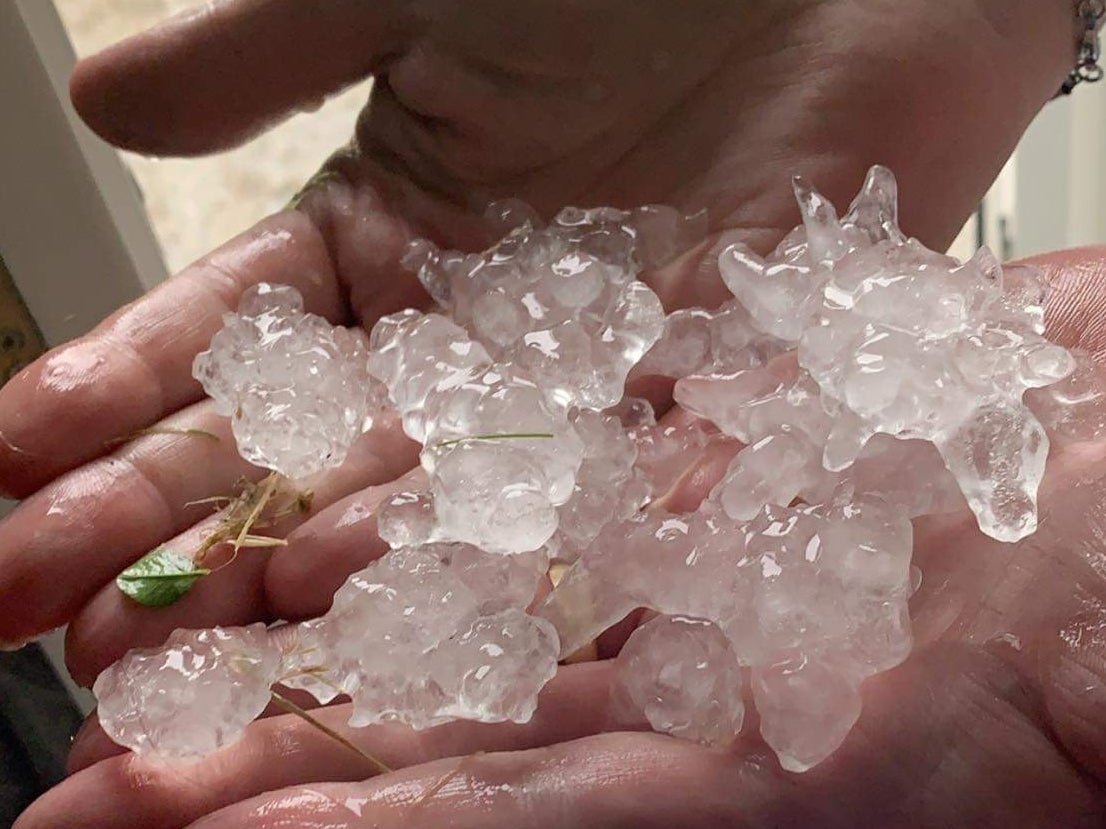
[(997, 719)]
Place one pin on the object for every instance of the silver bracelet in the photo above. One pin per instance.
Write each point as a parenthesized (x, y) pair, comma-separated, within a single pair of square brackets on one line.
[(1087, 69)]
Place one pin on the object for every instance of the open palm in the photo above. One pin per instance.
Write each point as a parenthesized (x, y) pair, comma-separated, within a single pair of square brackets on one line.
[(709, 104)]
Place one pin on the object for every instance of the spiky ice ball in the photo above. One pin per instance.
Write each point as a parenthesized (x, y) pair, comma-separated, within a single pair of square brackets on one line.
[(561, 303), (910, 343), (297, 389)]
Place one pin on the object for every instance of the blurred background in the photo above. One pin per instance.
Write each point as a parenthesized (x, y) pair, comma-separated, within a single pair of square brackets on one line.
[(138, 219), (196, 204)]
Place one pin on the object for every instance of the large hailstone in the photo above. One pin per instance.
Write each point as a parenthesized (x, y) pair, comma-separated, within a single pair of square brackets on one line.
[(434, 633), (194, 695), (500, 453), (907, 342), (562, 303), (297, 389)]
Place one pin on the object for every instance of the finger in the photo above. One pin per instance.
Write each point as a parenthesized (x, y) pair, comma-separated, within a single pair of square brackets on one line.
[(1076, 313), (111, 623), (58, 547), (91, 744), (951, 739), (212, 78), (301, 579), (282, 751), (135, 367)]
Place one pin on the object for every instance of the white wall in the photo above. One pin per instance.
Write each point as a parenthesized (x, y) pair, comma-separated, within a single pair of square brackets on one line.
[(73, 231), (1061, 175)]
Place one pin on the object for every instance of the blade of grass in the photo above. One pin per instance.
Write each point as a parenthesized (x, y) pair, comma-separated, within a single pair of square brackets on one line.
[(292, 708), (267, 490), (508, 436)]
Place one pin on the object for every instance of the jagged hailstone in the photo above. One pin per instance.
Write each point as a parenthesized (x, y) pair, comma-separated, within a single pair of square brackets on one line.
[(847, 356), (296, 388)]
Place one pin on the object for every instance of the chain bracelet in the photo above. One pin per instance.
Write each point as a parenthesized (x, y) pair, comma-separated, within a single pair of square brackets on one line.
[(1087, 70)]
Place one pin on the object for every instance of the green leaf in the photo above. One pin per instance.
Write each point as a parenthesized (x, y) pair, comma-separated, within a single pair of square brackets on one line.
[(160, 578)]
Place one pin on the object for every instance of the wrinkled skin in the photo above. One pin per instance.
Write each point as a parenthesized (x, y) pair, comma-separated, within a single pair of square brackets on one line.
[(998, 719)]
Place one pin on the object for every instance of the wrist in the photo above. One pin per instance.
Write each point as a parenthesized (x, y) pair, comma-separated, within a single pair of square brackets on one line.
[(946, 88), (1050, 33)]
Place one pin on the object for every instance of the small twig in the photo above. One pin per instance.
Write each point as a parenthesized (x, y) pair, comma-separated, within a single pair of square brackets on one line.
[(510, 436), (292, 708), (247, 511), (261, 541), (215, 499), (268, 487)]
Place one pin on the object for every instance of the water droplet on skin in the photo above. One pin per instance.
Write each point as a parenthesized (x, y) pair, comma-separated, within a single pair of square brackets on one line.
[(354, 514), (73, 368)]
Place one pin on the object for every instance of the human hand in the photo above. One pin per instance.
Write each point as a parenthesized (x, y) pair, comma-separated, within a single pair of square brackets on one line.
[(572, 122), (548, 102), (997, 719)]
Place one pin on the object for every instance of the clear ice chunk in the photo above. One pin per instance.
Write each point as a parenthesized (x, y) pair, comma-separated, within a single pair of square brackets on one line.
[(683, 676), (439, 632), (857, 379), (297, 389), (562, 302), (418, 355), (906, 342), (806, 710), (191, 697)]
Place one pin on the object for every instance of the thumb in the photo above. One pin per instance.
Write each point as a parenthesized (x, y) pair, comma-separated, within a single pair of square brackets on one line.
[(212, 78), (1077, 305)]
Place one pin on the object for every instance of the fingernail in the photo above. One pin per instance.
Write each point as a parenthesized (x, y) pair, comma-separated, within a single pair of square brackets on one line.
[(13, 646), (89, 745), (82, 736)]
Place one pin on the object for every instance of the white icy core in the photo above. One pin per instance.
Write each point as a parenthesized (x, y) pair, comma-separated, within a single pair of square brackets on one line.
[(297, 389), (869, 381)]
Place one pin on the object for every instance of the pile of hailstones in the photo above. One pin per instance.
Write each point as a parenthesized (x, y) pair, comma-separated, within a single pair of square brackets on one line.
[(850, 356)]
